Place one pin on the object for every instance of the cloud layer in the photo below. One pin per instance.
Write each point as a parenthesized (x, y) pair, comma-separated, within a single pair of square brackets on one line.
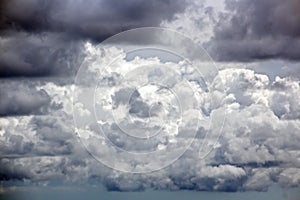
[(243, 30), (47, 38), (90, 19), (258, 146), (38, 55), (42, 44), (254, 30), (43, 38)]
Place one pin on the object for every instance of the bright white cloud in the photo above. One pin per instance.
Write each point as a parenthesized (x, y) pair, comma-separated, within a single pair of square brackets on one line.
[(259, 144)]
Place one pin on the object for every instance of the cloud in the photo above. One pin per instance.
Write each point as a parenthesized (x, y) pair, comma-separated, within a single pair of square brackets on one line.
[(256, 30), (46, 39), (22, 99), (88, 19), (38, 55), (242, 30), (43, 38), (197, 21), (259, 145)]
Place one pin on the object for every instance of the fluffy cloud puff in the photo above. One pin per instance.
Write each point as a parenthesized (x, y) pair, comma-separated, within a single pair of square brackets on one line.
[(258, 145)]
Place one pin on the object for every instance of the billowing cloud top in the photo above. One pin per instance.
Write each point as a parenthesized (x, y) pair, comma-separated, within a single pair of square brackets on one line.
[(43, 44), (258, 145)]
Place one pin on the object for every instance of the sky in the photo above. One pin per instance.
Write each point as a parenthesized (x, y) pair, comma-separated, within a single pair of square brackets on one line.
[(150, 98)]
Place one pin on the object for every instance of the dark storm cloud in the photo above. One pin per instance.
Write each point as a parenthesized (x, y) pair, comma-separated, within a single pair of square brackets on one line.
[(44, 37), (95, 19), (258, 30)]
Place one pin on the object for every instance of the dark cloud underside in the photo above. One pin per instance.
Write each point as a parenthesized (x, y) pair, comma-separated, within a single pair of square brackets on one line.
[(42, 37), (257, 29), (92, 18)]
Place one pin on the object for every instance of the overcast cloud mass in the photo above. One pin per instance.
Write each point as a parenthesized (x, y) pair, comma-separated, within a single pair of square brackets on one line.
[(43, 43), (258, 30)]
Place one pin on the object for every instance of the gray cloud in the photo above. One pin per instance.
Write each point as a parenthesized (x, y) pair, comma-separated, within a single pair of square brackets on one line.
[(254, 30), (33, 55), (95, 19), (22, 98), (259, 145), (42, 37)]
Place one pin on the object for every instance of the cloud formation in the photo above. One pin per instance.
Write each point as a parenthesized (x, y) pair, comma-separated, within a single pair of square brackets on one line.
[(257, 30), (258, 146), (243, 30), (90, 19), (38, 55), (22, 99), (46, 39), (43, 38)]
